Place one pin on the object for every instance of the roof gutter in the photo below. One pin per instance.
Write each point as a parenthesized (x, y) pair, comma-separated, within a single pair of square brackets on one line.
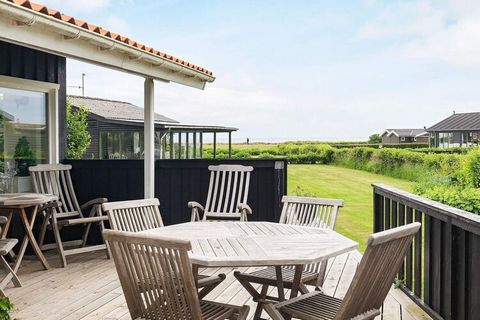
[(26, 18)]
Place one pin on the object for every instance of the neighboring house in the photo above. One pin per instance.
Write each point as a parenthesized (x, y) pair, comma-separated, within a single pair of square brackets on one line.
[(393, 136), (116, 128), (457, 130)]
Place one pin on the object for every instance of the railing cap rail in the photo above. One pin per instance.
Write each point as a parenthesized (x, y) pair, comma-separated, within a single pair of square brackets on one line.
[(431, 205)]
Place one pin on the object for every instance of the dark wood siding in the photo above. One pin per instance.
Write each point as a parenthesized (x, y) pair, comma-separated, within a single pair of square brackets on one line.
[(176, 183), (20, 62)]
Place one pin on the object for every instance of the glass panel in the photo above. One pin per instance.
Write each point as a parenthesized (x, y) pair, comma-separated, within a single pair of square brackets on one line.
[(23, 133), (121, 145)]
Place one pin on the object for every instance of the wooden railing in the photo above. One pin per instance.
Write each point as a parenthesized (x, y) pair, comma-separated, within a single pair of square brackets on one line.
[(441, 271)]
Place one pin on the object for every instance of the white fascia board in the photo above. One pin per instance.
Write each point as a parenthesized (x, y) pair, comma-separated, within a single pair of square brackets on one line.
[(23, 27)]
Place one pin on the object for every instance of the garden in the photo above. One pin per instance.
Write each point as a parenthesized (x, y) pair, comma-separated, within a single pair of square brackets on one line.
[(450, 176)]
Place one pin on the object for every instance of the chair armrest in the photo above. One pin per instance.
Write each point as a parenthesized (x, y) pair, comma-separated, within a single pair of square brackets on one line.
[(243, 207), (53, 204), (3, 219), (194, 204), (93, 202)]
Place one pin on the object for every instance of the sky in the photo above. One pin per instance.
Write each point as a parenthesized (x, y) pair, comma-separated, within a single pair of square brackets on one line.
[(298, 70)]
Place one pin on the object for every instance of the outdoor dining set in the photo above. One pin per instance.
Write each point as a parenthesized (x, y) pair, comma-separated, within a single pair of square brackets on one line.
[(161, 268)]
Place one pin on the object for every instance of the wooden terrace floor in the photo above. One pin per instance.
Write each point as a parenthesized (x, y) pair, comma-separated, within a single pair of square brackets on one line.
[(89, 289)]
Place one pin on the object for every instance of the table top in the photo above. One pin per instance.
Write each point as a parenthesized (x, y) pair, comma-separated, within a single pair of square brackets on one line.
[(245, 244), (25, 199)]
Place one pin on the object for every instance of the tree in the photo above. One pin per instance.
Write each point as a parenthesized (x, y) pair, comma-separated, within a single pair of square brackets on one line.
[(375, 138), (78, 137)]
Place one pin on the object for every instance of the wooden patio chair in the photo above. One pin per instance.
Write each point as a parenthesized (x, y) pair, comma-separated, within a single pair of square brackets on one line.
[(369, 288), (6, 245), (300, 211), (172, 295), (227, 194), (55, 179), (141, 215)]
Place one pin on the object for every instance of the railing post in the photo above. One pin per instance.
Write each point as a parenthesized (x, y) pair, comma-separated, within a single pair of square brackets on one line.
[(378, 212)]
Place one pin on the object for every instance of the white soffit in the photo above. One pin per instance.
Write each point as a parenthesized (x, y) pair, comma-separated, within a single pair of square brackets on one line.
[(32, 29)]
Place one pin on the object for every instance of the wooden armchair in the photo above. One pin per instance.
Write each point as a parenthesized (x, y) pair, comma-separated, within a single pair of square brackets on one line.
[(6, 245), (141, 215), (172, 295), (372, 282), (227, 194), (300, 211), (55, 179)]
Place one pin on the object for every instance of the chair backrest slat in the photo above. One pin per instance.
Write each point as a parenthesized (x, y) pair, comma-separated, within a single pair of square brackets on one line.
[(310, 212), (228, 187), (377, 270), (156, 275), (134, 215), (55, 179)]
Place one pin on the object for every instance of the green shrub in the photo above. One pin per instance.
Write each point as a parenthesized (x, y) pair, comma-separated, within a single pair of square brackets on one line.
[(472, 168), (5, 308), (467, 199)]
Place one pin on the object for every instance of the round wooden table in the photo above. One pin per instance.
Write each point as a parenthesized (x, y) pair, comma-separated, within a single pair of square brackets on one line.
[(16, 203), (248, 244)]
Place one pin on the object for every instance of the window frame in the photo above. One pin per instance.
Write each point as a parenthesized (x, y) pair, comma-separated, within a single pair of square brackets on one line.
[(51, 89)]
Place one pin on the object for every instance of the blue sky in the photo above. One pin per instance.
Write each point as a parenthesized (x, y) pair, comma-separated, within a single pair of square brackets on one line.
[(288, 70)]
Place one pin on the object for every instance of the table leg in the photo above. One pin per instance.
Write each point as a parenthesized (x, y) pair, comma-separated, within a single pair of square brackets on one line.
[(297, 279), (280, 289), (29, 237)]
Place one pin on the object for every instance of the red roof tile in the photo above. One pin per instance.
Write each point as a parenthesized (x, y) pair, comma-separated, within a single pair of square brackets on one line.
[(104, 32)]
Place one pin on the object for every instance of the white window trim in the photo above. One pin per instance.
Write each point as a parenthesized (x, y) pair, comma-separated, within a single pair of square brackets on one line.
[(402, 139), (51, 89)]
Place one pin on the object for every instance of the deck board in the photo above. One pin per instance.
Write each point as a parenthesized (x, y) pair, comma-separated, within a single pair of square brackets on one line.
[(89, 289)]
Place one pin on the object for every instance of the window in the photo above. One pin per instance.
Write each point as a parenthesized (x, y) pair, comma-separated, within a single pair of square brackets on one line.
[(402, 139), (414, 138), (121, 145), (23, 130)]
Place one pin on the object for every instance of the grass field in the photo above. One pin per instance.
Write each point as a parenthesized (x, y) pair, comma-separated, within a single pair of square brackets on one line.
[(354, 187)]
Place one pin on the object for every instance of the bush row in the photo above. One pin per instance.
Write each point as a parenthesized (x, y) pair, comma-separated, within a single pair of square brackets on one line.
[(452, 178)]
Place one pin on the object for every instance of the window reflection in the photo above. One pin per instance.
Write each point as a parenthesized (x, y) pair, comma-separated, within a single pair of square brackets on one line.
[(23, 132)]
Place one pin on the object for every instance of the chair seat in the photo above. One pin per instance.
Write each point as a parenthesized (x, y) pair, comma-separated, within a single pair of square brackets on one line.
[(6, 245), (287, 275), (314, 305), (210, 311), (219, 311)]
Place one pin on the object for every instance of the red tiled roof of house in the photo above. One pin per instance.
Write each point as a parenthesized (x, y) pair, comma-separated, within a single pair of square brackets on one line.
[(104, 32)]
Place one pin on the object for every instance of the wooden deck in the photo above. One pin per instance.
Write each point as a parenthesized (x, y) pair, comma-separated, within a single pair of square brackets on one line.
[(89, 289)]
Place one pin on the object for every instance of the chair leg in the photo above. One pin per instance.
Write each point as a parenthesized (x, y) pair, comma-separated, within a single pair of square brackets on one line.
[(102, 227), (43, 229), (263, 295), (9, 270), (58, 240), (87, 228)]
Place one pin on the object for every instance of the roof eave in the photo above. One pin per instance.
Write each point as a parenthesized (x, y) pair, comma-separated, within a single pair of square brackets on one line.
[(36, 30)]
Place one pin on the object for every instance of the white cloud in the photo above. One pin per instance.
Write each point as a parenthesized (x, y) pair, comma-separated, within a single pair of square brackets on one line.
[(427, 30)]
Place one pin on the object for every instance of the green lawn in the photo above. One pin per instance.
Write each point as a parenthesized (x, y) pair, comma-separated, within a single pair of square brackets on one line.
[(354, 187)]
